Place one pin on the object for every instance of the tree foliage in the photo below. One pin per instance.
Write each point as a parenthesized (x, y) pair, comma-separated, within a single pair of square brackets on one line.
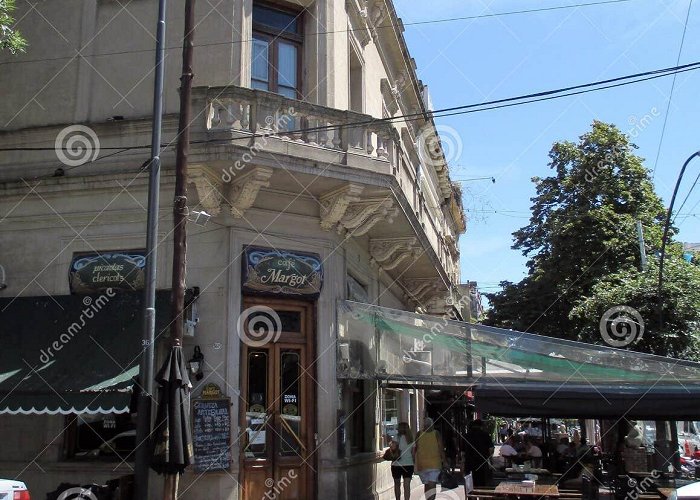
[(678, 335), (581, 240), (10, 37)]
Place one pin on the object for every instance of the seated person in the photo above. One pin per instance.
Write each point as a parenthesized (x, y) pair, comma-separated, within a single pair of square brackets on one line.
[(563, 446), (508, 452), (583, 451), (534, 453)]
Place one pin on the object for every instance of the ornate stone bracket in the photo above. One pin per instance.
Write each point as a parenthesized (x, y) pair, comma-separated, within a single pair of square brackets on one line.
[(209, 188), (363, 215), (335, 203), (390, 252), (420, 289), (245, 189)]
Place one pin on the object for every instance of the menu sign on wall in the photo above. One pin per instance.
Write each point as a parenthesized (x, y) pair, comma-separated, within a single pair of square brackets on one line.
[(92, 272), (281, 272), (211, 434)]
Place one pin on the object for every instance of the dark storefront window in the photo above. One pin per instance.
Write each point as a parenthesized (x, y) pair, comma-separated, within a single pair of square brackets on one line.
[(110, 437)]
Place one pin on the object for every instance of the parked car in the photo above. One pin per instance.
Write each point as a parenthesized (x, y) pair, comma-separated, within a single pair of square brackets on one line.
[(690, 491), (13, 490)]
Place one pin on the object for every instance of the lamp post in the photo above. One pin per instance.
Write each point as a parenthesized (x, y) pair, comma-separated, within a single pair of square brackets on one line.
[(143, 424), (667, 226)]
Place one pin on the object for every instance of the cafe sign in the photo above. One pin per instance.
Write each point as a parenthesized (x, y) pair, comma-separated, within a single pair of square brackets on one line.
[(92, 272), (281, 272)]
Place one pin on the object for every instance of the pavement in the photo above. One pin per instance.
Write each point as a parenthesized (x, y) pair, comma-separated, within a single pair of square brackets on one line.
[(417, 492)]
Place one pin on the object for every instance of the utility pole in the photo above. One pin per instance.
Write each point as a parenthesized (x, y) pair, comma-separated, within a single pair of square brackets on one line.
[(145, 399), (180, 210)]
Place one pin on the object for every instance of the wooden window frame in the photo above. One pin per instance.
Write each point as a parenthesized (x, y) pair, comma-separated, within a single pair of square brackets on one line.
[(274, 36)]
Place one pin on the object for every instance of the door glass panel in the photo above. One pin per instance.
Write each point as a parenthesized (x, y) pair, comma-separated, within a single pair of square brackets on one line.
[(290, 437), (256, 405), (260, 64), (287, 65), (291, 321)]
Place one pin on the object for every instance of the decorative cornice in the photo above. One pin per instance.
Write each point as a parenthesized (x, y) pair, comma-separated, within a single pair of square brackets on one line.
[(209, 188), (382, 249), (421, 288), (245, 189), (388, 253), (335, 203), (363, 215)]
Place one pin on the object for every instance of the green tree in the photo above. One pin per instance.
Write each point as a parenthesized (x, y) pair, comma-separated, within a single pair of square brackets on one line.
[(10, 37), (582, 230), (679, 334)]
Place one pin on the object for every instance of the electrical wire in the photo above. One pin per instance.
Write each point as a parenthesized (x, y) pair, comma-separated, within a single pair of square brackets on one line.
[(451, 111), (348, 30), (670, 96)]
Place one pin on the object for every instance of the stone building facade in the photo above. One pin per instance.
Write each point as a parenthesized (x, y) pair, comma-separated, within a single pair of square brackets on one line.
[(311, 139)]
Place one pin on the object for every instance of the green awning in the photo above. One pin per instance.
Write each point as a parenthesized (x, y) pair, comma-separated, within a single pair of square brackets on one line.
[(513, 373), (71, 353), (383, 343)]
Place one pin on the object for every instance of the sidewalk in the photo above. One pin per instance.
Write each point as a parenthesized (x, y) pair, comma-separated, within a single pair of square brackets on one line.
[(417, 492)]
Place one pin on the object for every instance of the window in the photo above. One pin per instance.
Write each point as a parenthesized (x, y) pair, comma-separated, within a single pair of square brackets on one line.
[(358, 399), (110, 437), (390, 415), (276, 51)]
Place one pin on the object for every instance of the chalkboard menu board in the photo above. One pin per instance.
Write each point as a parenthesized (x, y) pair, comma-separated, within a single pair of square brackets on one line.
[(211, 420)]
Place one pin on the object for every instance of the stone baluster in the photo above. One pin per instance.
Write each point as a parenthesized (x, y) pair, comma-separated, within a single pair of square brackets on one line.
[(337, 136), (244, 121), (369, 144), (323, 133)]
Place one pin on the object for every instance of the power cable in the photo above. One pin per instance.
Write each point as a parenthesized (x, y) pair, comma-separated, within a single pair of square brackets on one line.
[(455, 110), (348, 30), (673, 86)]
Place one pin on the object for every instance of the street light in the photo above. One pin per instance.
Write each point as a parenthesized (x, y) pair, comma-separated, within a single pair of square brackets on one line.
[(667, 226)]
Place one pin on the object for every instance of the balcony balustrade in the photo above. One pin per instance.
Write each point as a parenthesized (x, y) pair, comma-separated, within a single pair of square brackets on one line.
[(244, 110), (353, 139)]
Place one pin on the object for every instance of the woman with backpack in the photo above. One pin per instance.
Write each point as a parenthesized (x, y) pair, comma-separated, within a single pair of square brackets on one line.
[(429, 457)]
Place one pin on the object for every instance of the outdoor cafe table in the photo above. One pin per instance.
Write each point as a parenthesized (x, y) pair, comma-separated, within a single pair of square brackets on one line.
[(507, 489), (539, 472)]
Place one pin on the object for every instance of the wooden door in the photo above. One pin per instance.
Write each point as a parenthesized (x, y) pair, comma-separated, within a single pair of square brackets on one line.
[(277, 414)]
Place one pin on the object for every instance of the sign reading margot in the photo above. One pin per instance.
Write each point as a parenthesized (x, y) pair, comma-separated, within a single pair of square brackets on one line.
[(91, 272), (281, 272)]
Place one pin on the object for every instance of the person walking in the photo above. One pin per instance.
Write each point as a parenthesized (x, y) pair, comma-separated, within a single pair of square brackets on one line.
[(402, 468), (429, 457)]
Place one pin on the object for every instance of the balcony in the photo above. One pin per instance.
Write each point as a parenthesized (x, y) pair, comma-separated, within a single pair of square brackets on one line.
[(239, 121), (234, 112)]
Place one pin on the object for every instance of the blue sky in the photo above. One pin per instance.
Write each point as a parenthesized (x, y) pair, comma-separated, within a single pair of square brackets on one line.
[(471, 61)]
